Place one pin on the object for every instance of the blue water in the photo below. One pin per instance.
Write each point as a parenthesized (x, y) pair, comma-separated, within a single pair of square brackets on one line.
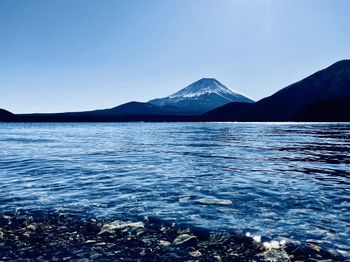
[(280, 181)]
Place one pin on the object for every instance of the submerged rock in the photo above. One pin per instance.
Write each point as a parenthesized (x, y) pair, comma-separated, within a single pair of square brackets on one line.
[(196, 253), (164, 243), (276, 255), (184, 199), (119, 225), (214, 201), (185, 239), (315, 247), (217, 239), (32, 226)]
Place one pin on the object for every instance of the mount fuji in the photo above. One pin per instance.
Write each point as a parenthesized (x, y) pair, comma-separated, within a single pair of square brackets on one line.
[(201, 96)]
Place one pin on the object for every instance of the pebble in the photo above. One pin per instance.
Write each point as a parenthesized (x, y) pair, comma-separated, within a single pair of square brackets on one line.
[(100, 244), (32, 227), (90, 241), (164, 243), (196, 253)]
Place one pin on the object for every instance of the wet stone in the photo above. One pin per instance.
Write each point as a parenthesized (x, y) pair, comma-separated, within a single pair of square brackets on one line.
[(196, 253), (315, 247), (164, 243), (185, 239), (32, 227), (217, 239), (149, 240), (119, 225)]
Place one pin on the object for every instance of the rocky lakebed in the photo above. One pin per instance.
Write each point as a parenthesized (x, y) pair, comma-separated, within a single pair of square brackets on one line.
[(59, 236)]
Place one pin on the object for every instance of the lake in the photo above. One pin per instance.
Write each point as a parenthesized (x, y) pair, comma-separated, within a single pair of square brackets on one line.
[(274, 181)]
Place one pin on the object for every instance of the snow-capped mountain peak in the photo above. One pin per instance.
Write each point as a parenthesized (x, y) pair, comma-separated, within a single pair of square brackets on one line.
[(201, 96), (202, 87)]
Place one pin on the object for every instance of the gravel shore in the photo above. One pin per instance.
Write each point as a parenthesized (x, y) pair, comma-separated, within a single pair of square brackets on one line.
[(55, 236)]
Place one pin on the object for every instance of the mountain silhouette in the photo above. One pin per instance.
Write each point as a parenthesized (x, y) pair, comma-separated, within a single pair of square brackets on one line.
[(6, 115), (323, 95), (135, 108), (132, 111)]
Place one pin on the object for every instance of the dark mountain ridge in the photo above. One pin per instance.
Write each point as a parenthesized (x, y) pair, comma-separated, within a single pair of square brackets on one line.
[(132, 111), (134, 108), (297, 102), (6, 115)]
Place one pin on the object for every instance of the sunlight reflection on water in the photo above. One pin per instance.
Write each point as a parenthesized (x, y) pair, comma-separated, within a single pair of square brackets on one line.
[(276, 180)]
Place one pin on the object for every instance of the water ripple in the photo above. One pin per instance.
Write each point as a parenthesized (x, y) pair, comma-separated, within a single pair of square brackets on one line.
[(275, 180)]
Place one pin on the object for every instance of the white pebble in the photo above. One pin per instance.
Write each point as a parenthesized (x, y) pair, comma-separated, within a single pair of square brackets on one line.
[(257, 238)]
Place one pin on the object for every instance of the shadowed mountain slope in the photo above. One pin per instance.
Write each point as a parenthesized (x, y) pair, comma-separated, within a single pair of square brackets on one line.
[(6, 115), (307, 99)]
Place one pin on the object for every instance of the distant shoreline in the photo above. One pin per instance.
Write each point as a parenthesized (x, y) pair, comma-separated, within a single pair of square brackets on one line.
[(322, 97)]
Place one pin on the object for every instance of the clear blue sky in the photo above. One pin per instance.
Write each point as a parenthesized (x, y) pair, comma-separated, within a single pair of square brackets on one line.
[(70, 55)]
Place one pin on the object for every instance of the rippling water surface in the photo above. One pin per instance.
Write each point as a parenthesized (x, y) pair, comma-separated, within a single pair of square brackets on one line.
[(276, 180)]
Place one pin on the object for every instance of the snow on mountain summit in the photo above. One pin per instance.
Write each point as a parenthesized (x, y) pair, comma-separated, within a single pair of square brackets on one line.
[(201, 96), (202, 87)]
